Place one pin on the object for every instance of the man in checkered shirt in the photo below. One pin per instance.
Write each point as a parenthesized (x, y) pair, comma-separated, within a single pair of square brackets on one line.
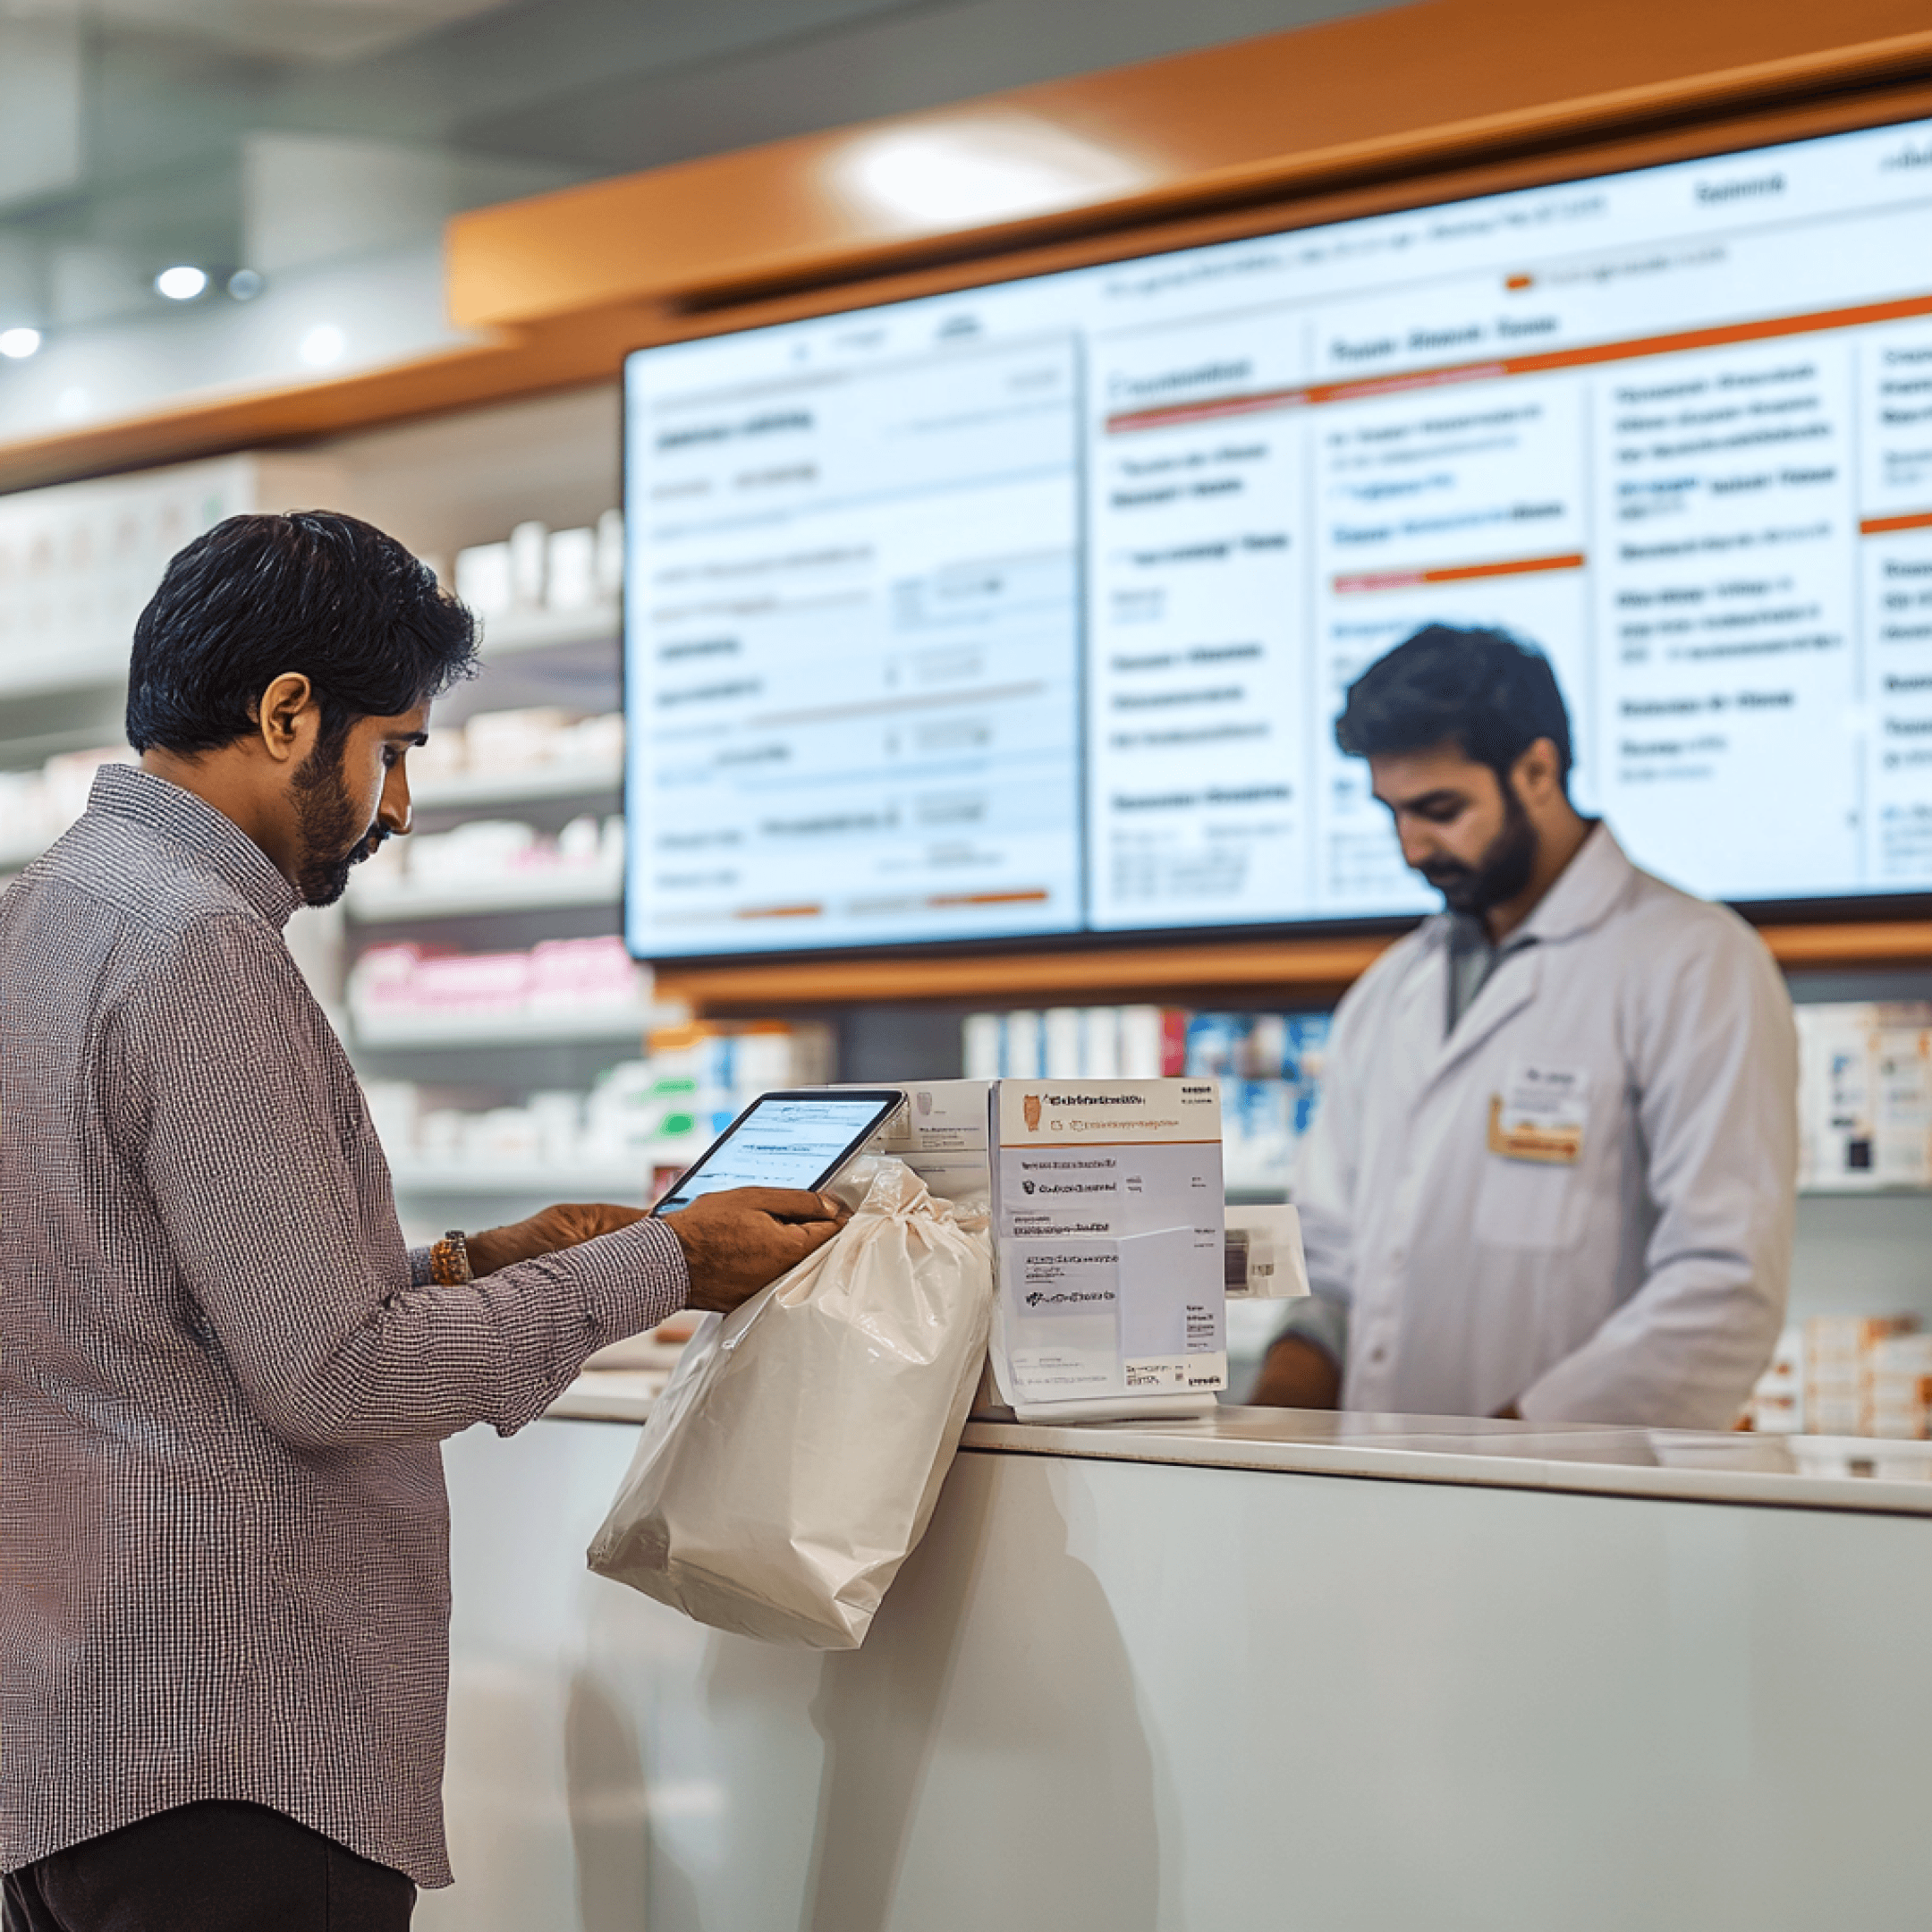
[(223, 1557)]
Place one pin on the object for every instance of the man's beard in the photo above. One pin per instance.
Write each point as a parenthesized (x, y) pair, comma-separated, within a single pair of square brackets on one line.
[(1499, 875), (334, 838)]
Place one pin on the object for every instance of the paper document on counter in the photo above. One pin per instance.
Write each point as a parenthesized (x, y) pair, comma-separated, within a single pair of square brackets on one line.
[(1107, 1205)]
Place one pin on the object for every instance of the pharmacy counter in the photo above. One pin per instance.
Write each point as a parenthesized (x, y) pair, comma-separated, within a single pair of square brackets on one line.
[(1274, 1670)]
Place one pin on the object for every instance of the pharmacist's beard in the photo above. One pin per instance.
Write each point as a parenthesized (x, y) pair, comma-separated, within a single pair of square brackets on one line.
[(334, 838), (1500, 874)]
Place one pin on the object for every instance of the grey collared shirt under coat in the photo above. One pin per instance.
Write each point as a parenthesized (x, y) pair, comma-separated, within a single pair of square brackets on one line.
[(223, 1537)]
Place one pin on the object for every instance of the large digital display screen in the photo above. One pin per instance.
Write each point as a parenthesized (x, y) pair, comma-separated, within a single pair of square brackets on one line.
[(1027, 610)]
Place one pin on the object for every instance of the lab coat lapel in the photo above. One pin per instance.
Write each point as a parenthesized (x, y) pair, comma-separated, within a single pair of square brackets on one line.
[(1514, 985), (1581, 899)]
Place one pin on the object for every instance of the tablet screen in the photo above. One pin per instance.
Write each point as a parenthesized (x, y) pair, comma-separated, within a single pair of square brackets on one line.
[(788, 1141)]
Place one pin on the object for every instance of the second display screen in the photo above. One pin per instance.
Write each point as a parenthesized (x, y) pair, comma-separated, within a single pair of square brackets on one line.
[(1029, 609)]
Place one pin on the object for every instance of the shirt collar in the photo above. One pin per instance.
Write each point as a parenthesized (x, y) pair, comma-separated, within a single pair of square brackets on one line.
[(126, 791), (1585, 891)]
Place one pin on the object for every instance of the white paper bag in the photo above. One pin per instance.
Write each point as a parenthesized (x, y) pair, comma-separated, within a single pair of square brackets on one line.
[(791, 1463)]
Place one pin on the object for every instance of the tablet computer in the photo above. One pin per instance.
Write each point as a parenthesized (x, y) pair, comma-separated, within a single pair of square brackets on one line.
[(799, 1139)]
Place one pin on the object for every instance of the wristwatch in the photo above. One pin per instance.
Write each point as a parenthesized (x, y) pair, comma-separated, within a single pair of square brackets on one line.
[(449, 1260)]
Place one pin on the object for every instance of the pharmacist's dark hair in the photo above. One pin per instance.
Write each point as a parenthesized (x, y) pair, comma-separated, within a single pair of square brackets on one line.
[(315, 592), (1481, 690)]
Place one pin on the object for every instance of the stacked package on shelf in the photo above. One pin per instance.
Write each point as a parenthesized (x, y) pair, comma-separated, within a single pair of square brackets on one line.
[(1840, 1364), (1777, 1407), (649, 1118), (36, 806), (1270, 1067), (537, 568), (1865, 1094), (391, 987), (1077, 1043), (499, 855), (1901, 1388), (493, 746), (697, 1079)]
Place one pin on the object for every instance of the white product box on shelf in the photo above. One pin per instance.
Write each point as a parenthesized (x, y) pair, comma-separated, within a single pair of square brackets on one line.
[(1865, 1095), (1108, 1222), (542, 587), (36, 807), (78, 561)]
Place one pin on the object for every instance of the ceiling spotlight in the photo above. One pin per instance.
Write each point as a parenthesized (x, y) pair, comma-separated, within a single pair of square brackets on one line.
[(245, 285), (322, 346), (19, 344), (978, 168), (181, 284)]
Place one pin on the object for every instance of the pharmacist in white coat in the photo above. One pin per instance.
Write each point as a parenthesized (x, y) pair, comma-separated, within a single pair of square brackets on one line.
[(1554, 1171)]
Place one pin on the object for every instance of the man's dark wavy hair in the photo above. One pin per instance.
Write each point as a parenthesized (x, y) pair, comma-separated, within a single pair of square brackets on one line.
[(1481, 690), (313, 591)]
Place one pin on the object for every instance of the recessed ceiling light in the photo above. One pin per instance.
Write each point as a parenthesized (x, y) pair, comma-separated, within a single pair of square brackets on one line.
[(245, 285), (181, 283), (980, 168), (323, 345), (19, 343)]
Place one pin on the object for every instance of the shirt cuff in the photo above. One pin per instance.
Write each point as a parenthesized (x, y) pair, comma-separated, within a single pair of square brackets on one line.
[(630, 1281)]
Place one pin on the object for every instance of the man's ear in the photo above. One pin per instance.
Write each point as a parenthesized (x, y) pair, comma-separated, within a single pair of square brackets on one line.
[(1535, 776), (282, 717)]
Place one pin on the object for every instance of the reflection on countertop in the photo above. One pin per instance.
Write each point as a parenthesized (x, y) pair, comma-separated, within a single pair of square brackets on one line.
[(1809, 1471)]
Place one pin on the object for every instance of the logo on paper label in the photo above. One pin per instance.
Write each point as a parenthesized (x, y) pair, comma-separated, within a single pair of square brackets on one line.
[(1031, 1107)]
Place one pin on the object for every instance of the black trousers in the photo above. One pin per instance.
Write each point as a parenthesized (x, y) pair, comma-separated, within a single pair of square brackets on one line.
[(209, 1867)]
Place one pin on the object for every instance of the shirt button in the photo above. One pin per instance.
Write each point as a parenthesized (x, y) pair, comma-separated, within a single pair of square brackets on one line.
[(1378, 1353)]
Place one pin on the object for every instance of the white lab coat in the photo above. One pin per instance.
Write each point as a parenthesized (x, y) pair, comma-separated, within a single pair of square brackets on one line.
[(1644, 1284)]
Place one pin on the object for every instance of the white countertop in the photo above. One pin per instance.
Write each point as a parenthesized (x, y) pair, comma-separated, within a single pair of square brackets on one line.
[(1805, 1471)]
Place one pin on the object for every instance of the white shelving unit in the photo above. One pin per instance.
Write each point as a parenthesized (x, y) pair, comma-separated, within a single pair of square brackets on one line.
[(372, 903), (475, 791), (385, 1032), (625, 1184), (511, 633), (15, 853)]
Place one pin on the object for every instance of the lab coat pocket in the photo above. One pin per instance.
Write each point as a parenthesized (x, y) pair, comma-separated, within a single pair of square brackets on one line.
[(1530, 1204)]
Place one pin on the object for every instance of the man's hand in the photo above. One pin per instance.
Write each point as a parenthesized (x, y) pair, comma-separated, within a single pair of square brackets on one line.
[(741, 1240), (1297, 1374), (551, 1228)]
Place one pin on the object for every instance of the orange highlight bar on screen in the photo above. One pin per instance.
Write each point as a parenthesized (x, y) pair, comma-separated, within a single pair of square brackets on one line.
[(1032, 895), (779, 912), (1406, 579), (1882, 526), (1306, 395)]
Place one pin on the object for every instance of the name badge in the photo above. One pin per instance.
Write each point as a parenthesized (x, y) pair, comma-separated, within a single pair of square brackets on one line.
[(1540, 1114)]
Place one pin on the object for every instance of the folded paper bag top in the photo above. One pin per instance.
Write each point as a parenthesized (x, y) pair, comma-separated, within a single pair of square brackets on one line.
[(792, 1462)]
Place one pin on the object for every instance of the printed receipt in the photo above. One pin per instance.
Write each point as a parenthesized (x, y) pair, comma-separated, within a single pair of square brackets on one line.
[(1109, 1213)]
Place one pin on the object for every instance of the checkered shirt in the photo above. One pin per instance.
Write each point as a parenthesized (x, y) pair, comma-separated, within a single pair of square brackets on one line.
[(224, 1536)]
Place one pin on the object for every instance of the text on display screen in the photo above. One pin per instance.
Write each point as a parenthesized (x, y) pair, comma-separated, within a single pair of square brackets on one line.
[(1028, 609)]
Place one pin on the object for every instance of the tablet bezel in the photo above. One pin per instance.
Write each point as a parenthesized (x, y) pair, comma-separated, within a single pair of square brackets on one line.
[(888, 1101)]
